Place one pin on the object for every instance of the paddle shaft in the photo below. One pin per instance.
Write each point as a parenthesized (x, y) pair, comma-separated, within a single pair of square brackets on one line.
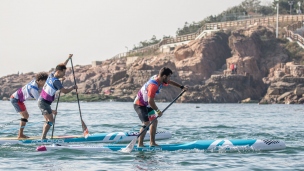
[(146, 128), (77, 93), (56, 114)]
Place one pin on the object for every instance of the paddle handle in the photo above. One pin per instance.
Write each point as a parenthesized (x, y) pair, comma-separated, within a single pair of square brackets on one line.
[(146, 128), (76, 89), (56, 114), (180, 94), (84, 127)]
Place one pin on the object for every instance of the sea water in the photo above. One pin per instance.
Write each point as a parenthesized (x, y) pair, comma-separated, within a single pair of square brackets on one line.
[(186, 122)]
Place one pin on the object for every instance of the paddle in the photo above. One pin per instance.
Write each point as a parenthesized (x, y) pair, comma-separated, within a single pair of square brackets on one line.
[(130, 146), (84, 127), (56, 115)]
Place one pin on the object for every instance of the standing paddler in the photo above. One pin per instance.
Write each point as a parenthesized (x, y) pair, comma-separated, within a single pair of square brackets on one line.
[(144, 103), (48, 92), (29, 91)]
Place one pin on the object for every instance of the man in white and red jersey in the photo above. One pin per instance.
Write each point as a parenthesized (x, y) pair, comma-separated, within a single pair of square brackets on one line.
[(29, 91), (47, 95), (144, 103)]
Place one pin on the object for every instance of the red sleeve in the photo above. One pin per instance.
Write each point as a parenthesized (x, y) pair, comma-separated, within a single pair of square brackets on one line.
[(152, 89)]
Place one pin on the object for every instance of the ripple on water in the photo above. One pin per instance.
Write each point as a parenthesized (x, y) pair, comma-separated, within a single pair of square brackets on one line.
[(184, 121)]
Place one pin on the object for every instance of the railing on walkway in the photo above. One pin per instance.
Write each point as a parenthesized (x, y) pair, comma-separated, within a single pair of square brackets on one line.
[(221, 25), (294, 36), (263, 20)]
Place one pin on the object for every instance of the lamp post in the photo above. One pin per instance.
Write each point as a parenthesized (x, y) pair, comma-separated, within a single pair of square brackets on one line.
[(127, 50), (224, 16), (277, 23), (290, 3)]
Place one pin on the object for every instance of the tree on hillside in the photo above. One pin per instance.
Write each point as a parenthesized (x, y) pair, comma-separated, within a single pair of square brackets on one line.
[(241, 12), (251, 5), (166, 37), (266, 10), (189, 28), (146, 43), (154, 40), (285, 7), (234, 13)]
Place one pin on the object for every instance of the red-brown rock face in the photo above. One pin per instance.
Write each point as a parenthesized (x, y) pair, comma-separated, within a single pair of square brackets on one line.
[(202, 57), (203, 64)]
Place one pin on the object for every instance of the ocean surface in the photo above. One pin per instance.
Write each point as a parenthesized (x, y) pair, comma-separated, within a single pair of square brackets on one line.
[(186, 122)]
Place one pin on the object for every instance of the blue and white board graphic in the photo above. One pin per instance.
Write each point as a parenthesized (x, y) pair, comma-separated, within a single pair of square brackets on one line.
[(231, 145), (97, 137)]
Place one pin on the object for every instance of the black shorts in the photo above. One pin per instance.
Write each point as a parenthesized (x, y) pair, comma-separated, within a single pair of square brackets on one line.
[(44, 107), (143, 112)]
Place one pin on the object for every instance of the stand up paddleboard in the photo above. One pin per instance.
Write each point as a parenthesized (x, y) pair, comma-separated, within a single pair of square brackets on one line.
[(229, 145), (98, 137)]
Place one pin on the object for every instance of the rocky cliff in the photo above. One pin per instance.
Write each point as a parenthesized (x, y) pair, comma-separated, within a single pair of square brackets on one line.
[(204, 65)]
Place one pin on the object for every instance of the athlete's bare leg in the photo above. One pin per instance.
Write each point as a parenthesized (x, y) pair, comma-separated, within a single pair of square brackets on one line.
[(142, 136), (152, 133), (46, 127), (25, 115)]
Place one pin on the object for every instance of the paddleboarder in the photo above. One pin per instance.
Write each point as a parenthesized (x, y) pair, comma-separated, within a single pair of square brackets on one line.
[(29, 91), (48, 92), (144, 103)]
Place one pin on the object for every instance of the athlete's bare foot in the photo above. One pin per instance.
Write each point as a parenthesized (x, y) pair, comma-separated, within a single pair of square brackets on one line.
[(22, 136), (154, 145), (140, 145)]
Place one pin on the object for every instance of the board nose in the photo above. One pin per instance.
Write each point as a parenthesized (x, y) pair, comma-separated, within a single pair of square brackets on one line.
[(41, 148)]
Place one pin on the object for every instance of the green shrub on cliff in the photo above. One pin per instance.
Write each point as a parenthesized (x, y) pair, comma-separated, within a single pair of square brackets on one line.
[(146, 43), (295, 52), (245, 10)]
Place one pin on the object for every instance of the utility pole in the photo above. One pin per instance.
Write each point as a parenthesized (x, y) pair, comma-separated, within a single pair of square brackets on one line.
[(277, 25)]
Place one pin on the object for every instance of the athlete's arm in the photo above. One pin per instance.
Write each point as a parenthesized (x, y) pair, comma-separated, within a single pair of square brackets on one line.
[(152, 103), (177, 85), (66, 61), (174, 84), (35, 93), (153, 106), (59, 86), (151, 94), (67, 90)]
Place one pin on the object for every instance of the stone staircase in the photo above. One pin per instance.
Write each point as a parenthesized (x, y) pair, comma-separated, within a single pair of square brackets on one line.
[(291, 34)]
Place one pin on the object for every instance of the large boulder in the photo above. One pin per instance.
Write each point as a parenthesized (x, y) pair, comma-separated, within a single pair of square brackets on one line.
[(203, 56)]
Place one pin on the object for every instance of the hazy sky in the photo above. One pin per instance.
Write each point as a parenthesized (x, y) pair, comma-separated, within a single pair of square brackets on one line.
[(36, 35)]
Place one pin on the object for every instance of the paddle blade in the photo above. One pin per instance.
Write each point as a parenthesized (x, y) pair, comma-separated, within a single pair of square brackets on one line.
[(85, 130), (86, 133), (129, 147)]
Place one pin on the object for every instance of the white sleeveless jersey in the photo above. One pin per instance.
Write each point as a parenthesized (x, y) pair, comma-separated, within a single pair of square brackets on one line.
[(29, 91)]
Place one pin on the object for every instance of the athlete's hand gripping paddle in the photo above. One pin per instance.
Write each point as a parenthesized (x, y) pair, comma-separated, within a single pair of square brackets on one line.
[(130, 146)]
